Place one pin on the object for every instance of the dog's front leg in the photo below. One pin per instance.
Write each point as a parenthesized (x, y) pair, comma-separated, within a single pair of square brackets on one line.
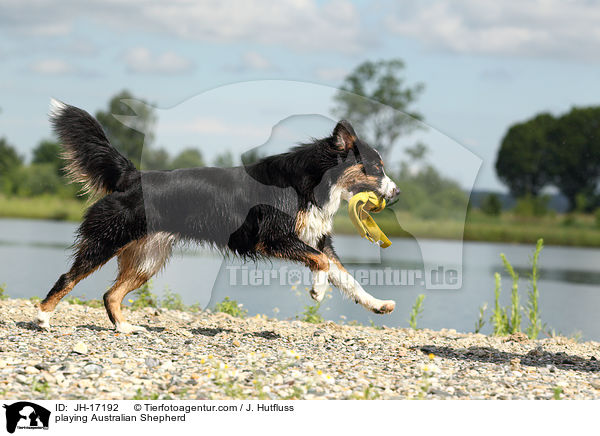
[(296, 250), (343, 280)]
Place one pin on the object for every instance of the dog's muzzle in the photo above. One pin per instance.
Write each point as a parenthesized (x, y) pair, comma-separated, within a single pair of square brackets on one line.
[(389, 190)]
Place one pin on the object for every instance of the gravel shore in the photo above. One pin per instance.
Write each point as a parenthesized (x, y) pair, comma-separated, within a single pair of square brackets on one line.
[(207, 355)]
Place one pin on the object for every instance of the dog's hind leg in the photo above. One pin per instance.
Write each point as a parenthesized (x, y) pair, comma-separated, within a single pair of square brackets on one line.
[(86, 262), (138, 262)]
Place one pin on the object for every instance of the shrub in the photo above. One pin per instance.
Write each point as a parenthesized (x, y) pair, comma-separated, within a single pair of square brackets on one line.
[(491, 205), (172, 301), (531, 206), (231, 307), (145, 297), (311, 314), (3, 295)]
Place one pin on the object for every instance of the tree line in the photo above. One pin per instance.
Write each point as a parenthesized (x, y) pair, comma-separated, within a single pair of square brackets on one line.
[(544, 151), (554, 151)]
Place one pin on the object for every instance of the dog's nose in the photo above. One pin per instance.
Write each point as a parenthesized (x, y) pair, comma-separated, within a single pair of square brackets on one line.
[(395, 192)]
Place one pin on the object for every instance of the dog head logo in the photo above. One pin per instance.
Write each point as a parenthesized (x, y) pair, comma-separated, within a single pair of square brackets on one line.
[(26, 415)]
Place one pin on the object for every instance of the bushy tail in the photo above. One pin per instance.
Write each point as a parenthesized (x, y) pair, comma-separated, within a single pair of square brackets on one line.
[(90, 157)]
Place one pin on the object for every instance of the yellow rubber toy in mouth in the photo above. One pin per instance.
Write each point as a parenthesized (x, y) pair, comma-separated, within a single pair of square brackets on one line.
[(359, 207)]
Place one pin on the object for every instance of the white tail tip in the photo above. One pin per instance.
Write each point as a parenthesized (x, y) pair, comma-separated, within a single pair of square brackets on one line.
[(56, 107)]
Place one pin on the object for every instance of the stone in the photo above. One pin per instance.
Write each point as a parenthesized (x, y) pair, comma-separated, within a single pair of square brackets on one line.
[(151, 362), (80, 348), (22, 379), (92, 368), (31, 370)]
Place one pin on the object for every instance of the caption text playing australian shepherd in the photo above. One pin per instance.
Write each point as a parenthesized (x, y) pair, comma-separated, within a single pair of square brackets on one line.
[(281, 206)]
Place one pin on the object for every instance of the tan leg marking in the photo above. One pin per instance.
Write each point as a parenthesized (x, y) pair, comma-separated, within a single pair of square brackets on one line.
[(50, 302), (138, 262)]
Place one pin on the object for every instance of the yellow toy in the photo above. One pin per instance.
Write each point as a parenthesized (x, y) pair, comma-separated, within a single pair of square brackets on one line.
[(359, 207)]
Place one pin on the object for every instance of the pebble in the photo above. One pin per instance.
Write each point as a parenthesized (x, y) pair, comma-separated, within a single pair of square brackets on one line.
[(92, 368), (151, 362), (206, 355), (31, 370), (80, 348)]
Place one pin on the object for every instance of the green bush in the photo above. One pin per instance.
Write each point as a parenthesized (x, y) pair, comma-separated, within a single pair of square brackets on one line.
[(172, 301), (311, 314), (231, 307), (491, 205), (3, 295), (530, 206), (144, 297), (429, 195)]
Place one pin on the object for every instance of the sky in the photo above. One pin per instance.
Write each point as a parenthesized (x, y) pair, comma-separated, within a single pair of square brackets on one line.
[(223, 74)]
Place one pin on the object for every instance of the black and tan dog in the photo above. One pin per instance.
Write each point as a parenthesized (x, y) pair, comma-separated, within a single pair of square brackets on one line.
[(282, 206)]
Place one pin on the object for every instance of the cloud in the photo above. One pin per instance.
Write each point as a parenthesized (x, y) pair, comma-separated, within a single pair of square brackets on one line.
[(143, 61), (331, 74), (251, 61), (548, 28), (52, 67), (255, 61), (302, 25)]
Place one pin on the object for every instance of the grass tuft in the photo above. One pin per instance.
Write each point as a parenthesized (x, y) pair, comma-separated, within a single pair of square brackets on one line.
[(416, 311), (311, 314)]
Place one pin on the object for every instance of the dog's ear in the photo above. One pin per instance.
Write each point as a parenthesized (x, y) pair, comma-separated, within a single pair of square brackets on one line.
[(344, 136)]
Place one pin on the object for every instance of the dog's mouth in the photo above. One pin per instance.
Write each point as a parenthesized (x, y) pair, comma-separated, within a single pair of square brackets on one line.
[(392, 201)]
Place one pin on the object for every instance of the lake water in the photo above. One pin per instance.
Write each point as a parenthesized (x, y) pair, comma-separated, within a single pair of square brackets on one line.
[(34, 253)]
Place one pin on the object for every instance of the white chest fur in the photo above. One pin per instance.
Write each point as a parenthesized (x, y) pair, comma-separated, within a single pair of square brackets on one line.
[(318, 221)]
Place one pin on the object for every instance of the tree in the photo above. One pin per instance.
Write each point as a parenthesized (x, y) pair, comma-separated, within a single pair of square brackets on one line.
[(10, 162), (252, 156), (574, 147), (224, 160), (522, 163), (155, 159), (129, 140), (48, 152), (491, 205), (9, 158), (375, 99), (188, 158), (425, 192)]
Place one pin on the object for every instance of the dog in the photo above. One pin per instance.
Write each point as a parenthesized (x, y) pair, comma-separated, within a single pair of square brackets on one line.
[(281, 206)]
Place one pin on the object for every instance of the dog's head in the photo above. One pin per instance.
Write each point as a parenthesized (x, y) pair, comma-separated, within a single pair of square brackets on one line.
[(358, 167)]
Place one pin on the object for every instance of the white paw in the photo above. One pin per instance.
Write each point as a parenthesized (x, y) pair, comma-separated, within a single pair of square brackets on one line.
[(320, 285), (43, 319), (125, 327), (383, 307), (317, 295)]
